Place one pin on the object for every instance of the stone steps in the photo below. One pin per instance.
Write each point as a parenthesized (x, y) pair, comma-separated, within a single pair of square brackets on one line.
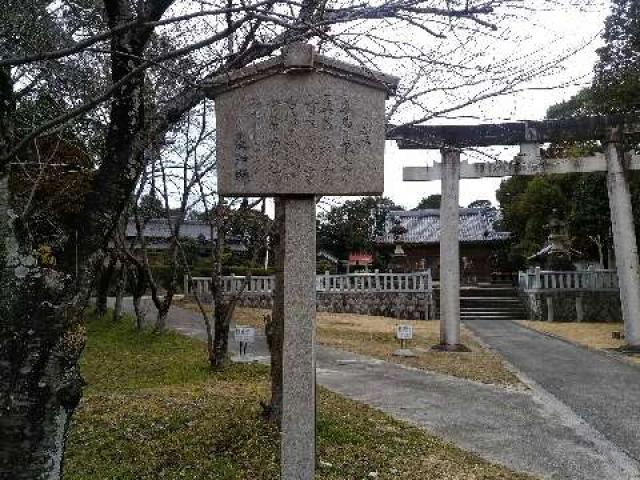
[(486, 316), (487, 292), (491, 302)]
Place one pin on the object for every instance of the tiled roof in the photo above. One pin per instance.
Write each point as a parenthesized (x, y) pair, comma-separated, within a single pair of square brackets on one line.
[(423, 226), (326, 255), (159, 228)]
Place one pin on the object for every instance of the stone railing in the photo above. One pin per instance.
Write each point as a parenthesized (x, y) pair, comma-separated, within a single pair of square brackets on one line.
[(375, 282), (401, 295), (231, 284), (602, 280), (356, 282), (571, 295)]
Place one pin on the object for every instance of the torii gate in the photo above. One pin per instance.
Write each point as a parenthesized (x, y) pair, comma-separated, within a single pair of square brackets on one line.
[(450, 139)]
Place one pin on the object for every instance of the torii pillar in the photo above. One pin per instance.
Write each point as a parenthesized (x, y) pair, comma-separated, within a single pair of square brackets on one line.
[(624, 238), (529, 135), (450, 252)]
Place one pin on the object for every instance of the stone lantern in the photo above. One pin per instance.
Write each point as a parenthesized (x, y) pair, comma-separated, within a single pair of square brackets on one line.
[(557, 254), (398, 230), (295, 127)]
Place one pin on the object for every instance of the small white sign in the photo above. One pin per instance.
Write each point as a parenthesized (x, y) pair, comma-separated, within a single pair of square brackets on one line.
[(245, 334), (404, 332)]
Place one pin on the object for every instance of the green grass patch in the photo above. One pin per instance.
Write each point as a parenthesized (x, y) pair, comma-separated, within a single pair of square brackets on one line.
[(154, 410)]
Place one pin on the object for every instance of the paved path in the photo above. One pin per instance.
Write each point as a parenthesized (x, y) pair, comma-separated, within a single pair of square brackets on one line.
[(528, 431), (603, 390)]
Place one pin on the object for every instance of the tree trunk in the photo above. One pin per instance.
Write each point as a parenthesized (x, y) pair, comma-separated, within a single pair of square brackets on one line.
[(275, 335), (221, 323), (41, 309), (139, 311), (139, 287), (103, 284), (120, 289), (40, 390), (161, 319), (40, 342), (221, 307), (275, 328)]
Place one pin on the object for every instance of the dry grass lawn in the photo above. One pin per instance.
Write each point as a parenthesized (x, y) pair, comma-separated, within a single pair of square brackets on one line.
[(375, 337), (153, 410), (594, 335)]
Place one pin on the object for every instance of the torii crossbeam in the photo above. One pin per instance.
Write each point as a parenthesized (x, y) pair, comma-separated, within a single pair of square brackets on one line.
[(450, 139)]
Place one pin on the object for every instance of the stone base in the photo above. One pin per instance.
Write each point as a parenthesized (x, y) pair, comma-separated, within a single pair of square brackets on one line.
[(443, 347), (404, 352), (628, 349), (244, 359)]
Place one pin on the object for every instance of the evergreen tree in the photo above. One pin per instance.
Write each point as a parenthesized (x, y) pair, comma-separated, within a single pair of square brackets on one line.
[(616, 83)]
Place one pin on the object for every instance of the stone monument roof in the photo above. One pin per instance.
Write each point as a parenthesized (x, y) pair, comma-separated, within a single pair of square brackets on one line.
[(301, 57)]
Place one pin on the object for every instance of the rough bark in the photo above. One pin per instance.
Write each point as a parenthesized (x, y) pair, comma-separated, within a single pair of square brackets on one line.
[(40, 341), (139, 284), (103, 283), (221, 311), (163, 311), (275, 327), (39, 347), (120, 290), (221, 324)]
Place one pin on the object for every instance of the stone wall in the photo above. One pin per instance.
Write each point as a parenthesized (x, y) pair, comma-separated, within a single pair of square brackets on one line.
[(410, 305), (404, 305), (597, 306)]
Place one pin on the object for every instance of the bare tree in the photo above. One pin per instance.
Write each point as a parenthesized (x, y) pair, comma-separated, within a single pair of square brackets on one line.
[(220, 216)]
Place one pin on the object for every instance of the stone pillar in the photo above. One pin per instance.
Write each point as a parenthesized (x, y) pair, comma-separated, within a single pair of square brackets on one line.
[(538, 278), (579, 308), (550, 313), (450, 251), (299, 306), (624, 239)]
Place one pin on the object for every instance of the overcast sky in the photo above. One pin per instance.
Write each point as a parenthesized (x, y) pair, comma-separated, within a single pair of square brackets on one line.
[(555, 32)]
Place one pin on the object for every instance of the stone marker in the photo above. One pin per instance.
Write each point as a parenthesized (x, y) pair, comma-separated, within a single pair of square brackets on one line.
[(301, 124), (244, 336), (298, 126), (404, 333)]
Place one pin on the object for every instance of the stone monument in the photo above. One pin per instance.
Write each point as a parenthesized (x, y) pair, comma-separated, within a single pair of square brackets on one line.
[(295, 127)]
